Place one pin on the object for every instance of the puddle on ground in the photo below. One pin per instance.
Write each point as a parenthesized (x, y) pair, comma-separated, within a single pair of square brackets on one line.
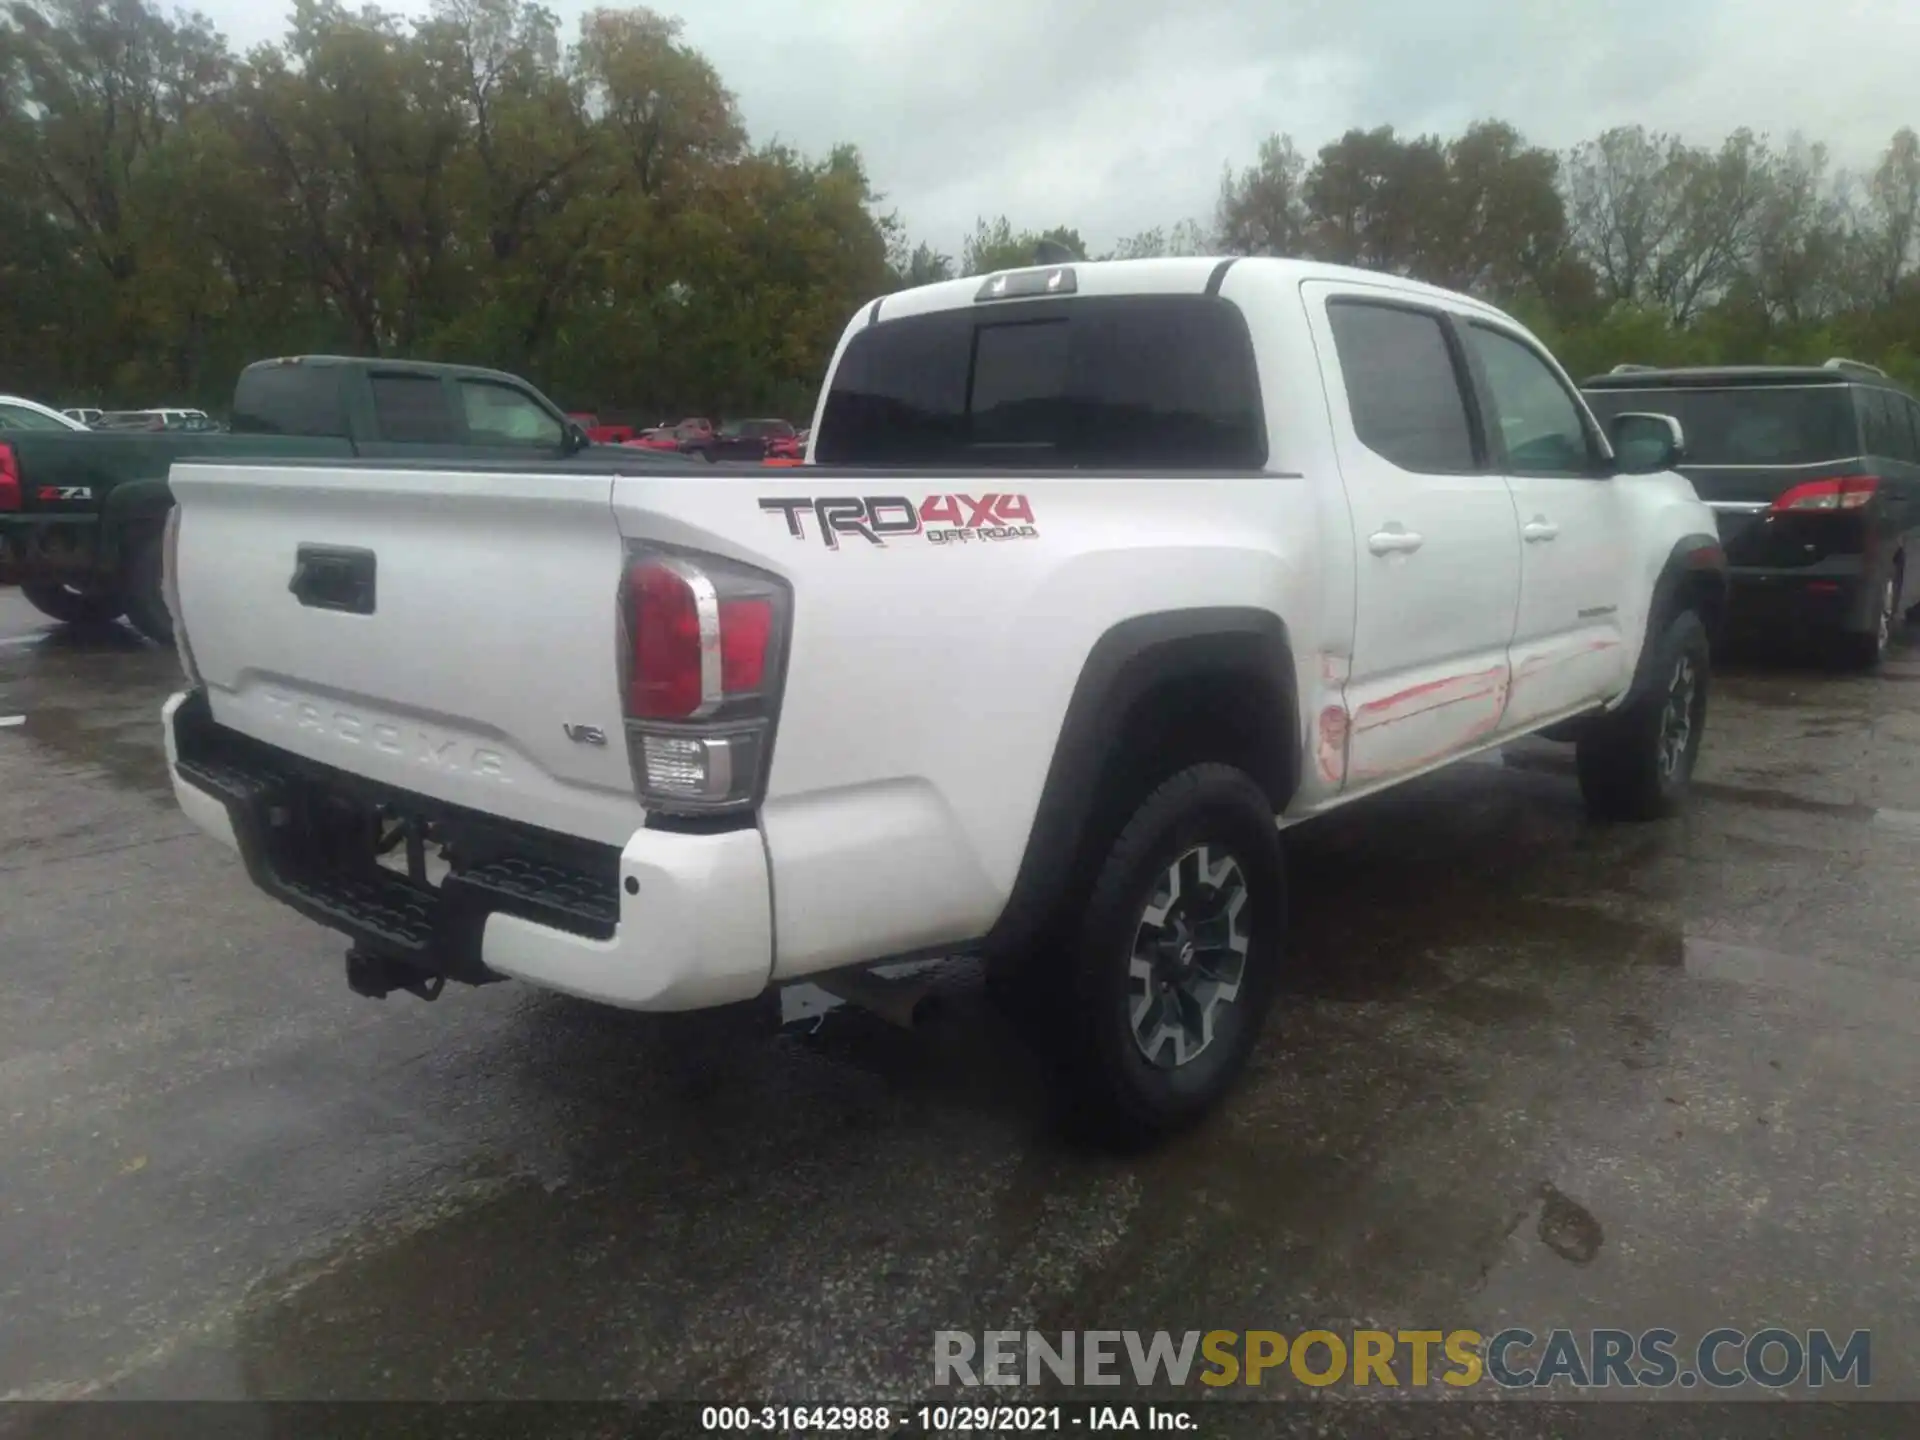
[(128, 750)]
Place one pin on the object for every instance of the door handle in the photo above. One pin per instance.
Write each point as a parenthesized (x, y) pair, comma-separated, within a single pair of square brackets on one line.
[(1394, 541), (334, 577), (1539, 528)]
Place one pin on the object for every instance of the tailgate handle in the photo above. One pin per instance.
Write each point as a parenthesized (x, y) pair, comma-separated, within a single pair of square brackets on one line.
[(334, 577)]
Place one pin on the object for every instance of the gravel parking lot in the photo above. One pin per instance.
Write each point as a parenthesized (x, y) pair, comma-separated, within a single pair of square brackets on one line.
[(1528, 1071)]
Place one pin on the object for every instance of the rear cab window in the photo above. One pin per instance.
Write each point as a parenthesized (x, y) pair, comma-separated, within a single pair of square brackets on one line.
[(414, 410), (290, 399), (1098, 383)]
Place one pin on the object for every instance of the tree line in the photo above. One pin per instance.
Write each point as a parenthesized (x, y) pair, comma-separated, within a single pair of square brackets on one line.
[(589, 211)]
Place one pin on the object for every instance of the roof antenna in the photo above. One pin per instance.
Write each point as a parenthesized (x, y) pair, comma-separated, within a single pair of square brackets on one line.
[(1051, 252)]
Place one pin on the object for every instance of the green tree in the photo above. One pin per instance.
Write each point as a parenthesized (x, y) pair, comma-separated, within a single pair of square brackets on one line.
[(1261, 209)]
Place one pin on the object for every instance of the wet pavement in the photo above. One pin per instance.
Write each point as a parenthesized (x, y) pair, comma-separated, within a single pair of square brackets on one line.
[(1527, 1071)]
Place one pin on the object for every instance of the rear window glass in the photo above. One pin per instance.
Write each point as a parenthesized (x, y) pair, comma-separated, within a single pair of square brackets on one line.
[(1098, 383), (1751, 425), (289, 400), (413, 409)]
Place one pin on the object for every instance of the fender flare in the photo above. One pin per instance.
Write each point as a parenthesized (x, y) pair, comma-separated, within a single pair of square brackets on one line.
[(130, 506), (1695, 560), (1133, 659)]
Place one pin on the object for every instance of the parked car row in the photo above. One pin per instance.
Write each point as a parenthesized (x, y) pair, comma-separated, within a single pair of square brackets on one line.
[(734, 440), (162, 418)]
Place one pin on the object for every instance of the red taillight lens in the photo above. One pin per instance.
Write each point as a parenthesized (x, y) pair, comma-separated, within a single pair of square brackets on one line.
[(663, 616), (9, 478), (746, 629), (705, 637), (1845, 492), (672, 639)]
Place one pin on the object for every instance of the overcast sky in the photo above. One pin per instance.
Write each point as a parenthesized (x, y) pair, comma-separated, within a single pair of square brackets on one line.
[(1114, 116)]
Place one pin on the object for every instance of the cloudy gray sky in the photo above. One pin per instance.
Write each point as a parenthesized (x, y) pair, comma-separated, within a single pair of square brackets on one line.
[(1114, 116)]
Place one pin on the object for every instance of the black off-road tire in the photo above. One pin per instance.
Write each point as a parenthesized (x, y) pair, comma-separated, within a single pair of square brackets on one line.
[(1637, 762), (71, 606), (1215, 826), (146, 600), (1865, 651)]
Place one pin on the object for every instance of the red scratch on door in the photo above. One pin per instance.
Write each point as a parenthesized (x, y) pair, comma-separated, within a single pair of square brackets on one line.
[(1429, 695), (1330, 748)]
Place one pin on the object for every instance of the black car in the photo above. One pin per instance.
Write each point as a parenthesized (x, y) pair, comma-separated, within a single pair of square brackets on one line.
[(749, 439), (1814, 472)]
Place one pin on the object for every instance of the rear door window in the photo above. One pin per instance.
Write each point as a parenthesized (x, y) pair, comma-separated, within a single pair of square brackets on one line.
[(1099, 383), (1876, 421), (414, 410), (1889, 431), (1404, 388)]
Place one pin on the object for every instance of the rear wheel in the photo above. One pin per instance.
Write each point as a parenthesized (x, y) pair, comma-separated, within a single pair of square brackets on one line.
[(1866, 651), (1636, 763), (1176, 955), (146, 600), (74, 606)]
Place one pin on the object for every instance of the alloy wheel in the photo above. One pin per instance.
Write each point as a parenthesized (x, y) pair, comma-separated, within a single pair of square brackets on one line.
[(1189, 955)]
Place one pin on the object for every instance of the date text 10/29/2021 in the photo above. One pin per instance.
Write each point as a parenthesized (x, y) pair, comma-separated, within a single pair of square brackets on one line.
[(960, 1419)]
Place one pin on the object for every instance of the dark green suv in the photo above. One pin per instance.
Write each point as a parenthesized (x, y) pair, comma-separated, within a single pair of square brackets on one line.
[(1814, 473)]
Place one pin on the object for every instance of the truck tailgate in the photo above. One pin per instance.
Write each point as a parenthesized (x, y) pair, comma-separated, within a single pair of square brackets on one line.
[(450, 633)]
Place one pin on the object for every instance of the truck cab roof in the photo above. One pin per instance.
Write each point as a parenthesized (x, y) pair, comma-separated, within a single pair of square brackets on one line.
[(390, 367), (1176, 275)]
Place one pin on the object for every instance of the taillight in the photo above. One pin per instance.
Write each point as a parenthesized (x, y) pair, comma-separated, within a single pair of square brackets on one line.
[(704, 644), (1845, 492), (9, 478), (668, 678)]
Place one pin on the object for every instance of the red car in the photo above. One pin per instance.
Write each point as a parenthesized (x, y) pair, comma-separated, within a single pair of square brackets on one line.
[(596, 432), (753, 440), (690, 437)]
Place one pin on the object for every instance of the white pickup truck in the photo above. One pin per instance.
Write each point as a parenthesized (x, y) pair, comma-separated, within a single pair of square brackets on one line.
[(1093, 572)]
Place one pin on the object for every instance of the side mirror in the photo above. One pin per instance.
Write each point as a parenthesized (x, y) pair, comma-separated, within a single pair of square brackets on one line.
[(1644, 443), (576, 438)]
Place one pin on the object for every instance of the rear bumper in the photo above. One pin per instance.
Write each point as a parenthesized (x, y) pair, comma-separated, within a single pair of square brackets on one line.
[(668, 922), (1833, 594)]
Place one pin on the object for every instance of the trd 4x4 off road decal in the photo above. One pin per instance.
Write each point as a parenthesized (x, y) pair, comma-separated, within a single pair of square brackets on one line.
[(939, 519)]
